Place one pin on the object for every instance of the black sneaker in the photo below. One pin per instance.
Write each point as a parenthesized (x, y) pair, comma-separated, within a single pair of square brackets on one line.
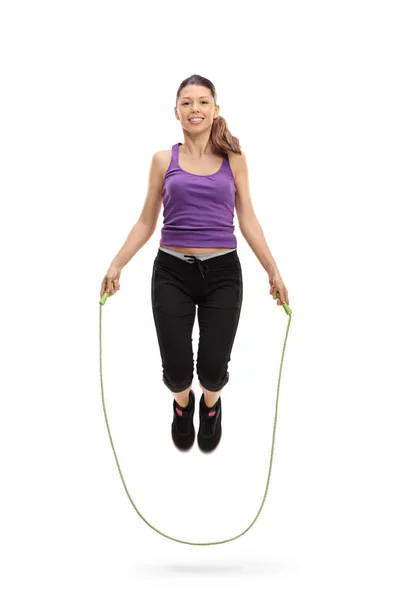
[(210, 429), (182, 429)]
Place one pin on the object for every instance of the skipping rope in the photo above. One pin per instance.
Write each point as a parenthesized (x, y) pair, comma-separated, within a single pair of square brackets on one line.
[(288, 312)]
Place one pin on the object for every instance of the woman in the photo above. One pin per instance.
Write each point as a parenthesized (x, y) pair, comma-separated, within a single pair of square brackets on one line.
[(197, 263)]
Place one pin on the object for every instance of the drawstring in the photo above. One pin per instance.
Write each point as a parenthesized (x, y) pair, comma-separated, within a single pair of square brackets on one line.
[(202, 268)]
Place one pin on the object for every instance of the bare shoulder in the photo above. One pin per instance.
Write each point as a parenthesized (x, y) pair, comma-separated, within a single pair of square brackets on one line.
[(163, 158), (236, 161)]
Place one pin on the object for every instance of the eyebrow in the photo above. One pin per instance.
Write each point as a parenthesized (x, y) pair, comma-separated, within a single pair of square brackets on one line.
[(190, 97)]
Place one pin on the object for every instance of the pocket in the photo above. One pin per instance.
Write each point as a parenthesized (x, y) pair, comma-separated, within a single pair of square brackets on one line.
[(156, 265), (230, 267), (238, 273), (236, 268), (153, 282)]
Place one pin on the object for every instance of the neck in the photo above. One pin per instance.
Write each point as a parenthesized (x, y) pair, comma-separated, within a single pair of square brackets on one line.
[(198, 146)]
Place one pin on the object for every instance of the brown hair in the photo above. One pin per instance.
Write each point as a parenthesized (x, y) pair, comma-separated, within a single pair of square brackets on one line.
[(221, 138)]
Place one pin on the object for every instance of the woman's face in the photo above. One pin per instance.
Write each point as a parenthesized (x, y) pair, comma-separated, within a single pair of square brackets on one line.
[(196, 101)]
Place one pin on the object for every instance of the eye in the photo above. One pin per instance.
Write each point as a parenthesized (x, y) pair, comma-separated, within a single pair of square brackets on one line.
[(205, 101)]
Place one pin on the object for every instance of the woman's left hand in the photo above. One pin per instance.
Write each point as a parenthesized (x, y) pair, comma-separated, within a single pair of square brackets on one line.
[(277, 285)]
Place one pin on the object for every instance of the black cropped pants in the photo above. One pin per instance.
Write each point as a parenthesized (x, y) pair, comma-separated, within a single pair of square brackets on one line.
[(215, 286)]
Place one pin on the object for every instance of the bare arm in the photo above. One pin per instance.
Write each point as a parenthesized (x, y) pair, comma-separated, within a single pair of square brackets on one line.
[(249, 224), (139, 235), (144, 228)]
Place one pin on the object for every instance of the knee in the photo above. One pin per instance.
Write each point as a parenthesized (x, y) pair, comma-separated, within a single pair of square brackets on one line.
[(177, 379), (177, 385), (213, 383)]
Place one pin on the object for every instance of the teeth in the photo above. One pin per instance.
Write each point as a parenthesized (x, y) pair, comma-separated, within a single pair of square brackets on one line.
[(195, 120)]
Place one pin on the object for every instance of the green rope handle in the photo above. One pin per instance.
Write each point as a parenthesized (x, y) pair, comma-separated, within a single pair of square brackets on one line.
[(288, 312)]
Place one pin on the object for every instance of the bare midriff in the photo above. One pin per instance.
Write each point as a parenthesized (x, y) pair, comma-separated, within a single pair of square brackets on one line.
[(195, 250)]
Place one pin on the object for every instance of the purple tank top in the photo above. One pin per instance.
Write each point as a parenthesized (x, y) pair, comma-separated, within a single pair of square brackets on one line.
[(198, 209)]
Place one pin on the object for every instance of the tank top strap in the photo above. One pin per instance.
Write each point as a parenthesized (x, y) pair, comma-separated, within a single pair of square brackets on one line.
[(174, 156), (226, 166)]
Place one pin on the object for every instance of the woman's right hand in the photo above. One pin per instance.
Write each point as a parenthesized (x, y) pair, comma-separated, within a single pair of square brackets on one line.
[(113, 274)]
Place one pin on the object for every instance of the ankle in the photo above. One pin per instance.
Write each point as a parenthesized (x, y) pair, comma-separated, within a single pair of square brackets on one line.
[(210, 404), (181, 404), (182, 400)]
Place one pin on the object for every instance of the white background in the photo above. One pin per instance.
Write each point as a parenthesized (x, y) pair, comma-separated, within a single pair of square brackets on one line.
[(311, 89)]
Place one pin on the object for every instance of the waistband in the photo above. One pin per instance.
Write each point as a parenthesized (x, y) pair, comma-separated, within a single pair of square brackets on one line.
[(188, 257), (200, 259)]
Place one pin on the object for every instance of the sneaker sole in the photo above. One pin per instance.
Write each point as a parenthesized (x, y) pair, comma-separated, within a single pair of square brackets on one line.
[(210, 451), (184, 450)]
